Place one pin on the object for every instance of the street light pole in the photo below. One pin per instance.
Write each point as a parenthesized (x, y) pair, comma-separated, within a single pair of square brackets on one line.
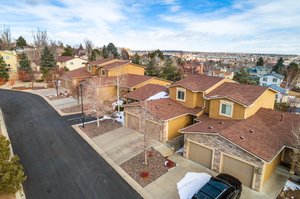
[(82, 114), (56, 86)]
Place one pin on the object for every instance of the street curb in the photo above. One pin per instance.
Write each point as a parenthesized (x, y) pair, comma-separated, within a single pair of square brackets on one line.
[(20, 194), (117, 168)]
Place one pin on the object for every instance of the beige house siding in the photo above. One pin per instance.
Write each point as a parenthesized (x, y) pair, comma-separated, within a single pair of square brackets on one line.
[(220, 146)]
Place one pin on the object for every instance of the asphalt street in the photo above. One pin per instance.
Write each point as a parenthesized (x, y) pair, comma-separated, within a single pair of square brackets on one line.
[(58, 163)]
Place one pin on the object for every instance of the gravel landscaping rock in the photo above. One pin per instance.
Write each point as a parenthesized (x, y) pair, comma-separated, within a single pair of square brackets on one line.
[(156, 167), (7, 196), (92, 130), (71, 109)]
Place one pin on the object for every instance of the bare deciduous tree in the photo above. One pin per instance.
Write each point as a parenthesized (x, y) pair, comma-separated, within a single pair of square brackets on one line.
[(40, 40), (96, 101), (89, 46), (143, 129), (5, 38), (295, 153)]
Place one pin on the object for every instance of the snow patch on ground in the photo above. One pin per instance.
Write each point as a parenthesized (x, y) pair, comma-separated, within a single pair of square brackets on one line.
[(191, 183), (120, 117), (117, 103), (289, 185), (159, 95)]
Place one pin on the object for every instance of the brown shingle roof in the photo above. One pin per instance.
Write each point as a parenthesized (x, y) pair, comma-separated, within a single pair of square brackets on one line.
[(64, 58), (114, 64), (131, 80), (101, 61), (243, 93), (77, 73), (269, 137), (198, 83), (166, 108), (146, 91)]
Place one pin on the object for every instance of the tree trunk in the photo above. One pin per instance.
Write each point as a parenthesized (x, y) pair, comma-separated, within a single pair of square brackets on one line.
[(293, 166), (118, 94), (98, 121)]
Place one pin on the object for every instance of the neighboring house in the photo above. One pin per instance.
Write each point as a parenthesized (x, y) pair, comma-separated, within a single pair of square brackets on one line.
[(114, 67), (220, 73), (146, 92), (248, 149), (70, 62), (72, 78), (11, 60), (270, 79), (282, 95), (259, 71), (164, 117)]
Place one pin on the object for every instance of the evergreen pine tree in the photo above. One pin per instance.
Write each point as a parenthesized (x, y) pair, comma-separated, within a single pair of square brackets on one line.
[(4, 75), (170, 71), (104, 52), (279, 66), (25, 71), (112, 50), (242, 76), (136, 59), (260, 62), (152, 69), (48, 62)]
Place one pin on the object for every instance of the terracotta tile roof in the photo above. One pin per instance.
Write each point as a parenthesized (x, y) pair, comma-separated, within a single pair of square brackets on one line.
[(131, 80), (114, 64), (166, 108), (263, 134), (78, 73), (146, 91), (243, 93), (64, 58), (100, 61), (198, 83)]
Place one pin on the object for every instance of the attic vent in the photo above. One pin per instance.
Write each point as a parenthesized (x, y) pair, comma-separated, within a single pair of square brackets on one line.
[(221, 122), (169, 104), (281, 117), (252, 131), (210, 127), (156, 107), (242, 137)]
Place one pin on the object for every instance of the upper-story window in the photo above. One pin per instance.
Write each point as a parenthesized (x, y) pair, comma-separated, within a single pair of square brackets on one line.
[(265, 79), (103, 72), (89, 67), (71, 63), (226, 108), (274, 79), (180, 94)]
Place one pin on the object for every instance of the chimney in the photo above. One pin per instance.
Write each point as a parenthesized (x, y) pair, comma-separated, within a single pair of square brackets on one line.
[(281, 118)]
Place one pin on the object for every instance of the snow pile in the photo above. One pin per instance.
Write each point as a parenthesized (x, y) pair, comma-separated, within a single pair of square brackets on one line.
[(117, 103), (159, 95), (289, 185), (191, 183), (120, 117)]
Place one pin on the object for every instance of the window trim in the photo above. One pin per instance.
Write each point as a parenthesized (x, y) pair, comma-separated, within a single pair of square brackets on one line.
[(182, 90), (226, 103), (103, 70)]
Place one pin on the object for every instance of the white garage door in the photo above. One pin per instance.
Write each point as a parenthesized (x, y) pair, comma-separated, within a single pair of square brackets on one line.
[(241, 170), (200, 154)]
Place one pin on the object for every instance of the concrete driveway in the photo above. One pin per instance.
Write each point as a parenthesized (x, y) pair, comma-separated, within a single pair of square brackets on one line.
[(123, 143)]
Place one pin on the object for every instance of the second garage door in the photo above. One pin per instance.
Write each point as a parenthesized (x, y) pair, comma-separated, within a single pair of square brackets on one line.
[(200, 154), (132, 122), (153, 130), (241, 170)]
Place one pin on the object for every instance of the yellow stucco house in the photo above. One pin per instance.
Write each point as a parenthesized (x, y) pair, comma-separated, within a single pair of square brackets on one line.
[(11, 59), (70, 62), (227, 127)]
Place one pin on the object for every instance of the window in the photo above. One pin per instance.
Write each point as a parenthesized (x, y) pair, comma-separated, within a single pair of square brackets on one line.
[(226, 108), (103, 72), (89, 67), (180, 94), (265, 79), (274, 79), (264, 84)]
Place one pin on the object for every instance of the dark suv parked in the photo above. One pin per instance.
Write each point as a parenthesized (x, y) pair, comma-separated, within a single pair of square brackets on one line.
[(224, 186)]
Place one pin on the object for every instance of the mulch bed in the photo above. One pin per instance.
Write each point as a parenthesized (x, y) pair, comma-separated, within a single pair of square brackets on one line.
[(28, 88), (145, 174), (92, 130), (72, 109)]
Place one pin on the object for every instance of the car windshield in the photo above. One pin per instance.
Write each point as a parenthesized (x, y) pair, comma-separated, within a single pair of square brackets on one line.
[(213, 189)]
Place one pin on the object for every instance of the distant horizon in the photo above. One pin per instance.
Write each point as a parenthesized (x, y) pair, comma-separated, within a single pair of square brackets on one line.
[(260, 26)]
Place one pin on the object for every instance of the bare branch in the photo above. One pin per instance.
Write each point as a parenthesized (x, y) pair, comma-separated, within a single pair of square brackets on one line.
[(5, 38)]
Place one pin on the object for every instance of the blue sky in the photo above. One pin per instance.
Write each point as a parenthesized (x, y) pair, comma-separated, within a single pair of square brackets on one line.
[(259, 26)]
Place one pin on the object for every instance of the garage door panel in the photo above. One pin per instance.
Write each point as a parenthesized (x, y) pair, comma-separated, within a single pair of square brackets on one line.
[(153, 130), (200, 154), (132, 122), (241, 170)]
